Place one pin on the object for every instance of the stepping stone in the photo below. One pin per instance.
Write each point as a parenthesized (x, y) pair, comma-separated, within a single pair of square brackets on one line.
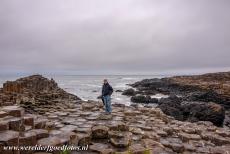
[(105, 117), (16, 124), (62, 114), (71, 128), (101, 148), (9, 137), (91, 118), (161, 133), (4, 125), (120, 142), (83, 139), (83, 130), (51, 141), (50, 125), (3, 114), (15, 111), (55, 132), (40, 123), (138, 149), (28, 138), (100, 132), (28, 128), (119, 134), (87, 106), (186, 137), (40, 133), (118, 126), (29, 120)]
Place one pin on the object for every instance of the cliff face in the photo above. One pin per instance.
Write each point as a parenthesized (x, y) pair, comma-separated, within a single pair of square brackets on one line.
[(34, 91)]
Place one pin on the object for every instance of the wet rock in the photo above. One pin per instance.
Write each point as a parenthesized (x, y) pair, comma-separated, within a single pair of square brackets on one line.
[(3, 114), (28, 139), (40, 123), (16, 124), (202, 111), (51, 141), (83, 139), (186, 137), (100, 132), (15, 111), (119, 91), (105, 117), (129, 92), (28, 120), (4, 125), (120, 142), (138, 149), (143, 99), (174, 143), (118, 126), (101, 148), (40, 133), (171, 106), (9, 137)]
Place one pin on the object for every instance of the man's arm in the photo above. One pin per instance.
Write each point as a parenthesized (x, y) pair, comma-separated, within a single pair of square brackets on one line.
[(110, 90)]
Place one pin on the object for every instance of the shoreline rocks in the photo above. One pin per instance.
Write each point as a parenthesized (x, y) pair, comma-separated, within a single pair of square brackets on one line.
[(197, 90), (127, 129)]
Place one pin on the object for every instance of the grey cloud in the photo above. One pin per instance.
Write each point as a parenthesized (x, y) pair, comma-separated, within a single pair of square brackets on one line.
[(114, 36)]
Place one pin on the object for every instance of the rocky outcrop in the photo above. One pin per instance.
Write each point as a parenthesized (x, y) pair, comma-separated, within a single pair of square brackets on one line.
[(192, 111), (201, 89), (127, 129), (33, 92), (202, 111)]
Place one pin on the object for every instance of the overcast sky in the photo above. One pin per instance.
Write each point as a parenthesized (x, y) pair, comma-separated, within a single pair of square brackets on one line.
[(114, 36)]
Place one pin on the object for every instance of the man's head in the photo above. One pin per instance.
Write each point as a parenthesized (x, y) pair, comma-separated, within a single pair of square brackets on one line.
[(105, 81)]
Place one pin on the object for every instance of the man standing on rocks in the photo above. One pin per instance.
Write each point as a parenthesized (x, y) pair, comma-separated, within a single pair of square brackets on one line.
[(107, 91)]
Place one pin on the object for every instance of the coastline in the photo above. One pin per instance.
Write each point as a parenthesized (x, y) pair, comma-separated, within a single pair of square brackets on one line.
[(35, 110)]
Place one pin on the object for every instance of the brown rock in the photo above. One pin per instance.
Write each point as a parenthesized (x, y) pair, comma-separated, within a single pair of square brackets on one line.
[(40, 133), (40, 123), (120, 142), (28, 120), (101, 148), (4, 125), (16, 124), (187, 137), (99, 132), (52, 141), (83, 139), (3, 114), (15, 111), (9, 137), (138, 149)]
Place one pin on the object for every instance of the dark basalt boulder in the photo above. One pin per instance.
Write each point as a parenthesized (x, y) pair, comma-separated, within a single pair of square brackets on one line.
[(205, 96), (192, 111), (203, 111), (129, 92), (171, 106), (143, 99)]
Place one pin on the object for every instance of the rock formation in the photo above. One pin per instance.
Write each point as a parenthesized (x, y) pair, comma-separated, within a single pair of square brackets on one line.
[(194, 90), (33, 92), (70, 121)]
